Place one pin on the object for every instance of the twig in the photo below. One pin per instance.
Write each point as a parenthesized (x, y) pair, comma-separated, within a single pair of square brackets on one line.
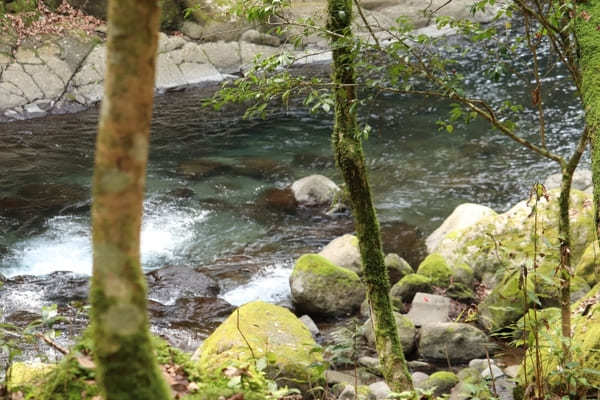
[(52, 343), (244, 337), (487, 355)]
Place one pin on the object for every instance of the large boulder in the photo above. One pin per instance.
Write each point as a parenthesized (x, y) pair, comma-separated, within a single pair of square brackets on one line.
[(452, 341), (404, 290), (315, 190), (582, 179), (406, 331), (320, 288), (436, 268), (257, 330), (344, 252), (440, 382), (462, 217)]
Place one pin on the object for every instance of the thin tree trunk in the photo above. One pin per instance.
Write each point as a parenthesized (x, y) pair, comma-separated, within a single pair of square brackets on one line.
[(350, 160), (565, 258), (127, 368)]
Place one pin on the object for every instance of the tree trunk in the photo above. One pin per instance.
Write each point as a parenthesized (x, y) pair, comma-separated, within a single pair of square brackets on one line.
[(127, 368), (350, 159), (588, 39), (565, 257)]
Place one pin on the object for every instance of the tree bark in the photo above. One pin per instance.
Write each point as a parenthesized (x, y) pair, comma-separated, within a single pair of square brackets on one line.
[(127, 368), (350, 159)]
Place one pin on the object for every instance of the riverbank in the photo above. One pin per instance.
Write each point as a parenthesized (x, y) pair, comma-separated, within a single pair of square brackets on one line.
[(64, 73)]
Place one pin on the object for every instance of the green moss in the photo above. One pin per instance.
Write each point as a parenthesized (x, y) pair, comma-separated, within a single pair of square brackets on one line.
[(503, 305), (25, 375), (397, 267), (407, 287), (459, 291), (589, 264), (463, 273), (442, 381), (436, 267), (19, 6), (171, 15), (321, 266), (270, 331)]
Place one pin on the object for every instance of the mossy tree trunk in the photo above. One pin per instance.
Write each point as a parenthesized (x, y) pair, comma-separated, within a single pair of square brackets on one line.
[(588, 38), (350, 159), (127, 368)]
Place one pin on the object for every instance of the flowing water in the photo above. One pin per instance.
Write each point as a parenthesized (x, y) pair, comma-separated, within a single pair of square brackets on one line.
[(218, 224)]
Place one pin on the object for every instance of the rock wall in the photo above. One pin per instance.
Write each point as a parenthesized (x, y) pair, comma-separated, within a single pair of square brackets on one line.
[(58, 74)]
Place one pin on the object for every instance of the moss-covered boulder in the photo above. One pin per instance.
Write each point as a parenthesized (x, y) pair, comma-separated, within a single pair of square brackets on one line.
[(404, 291), (406, 331), (344, 252), (397, 267), (27, 374), (452, 341), (321, 288), (263, 330), (436, 268), (588, 267), (504, 242), (441, 382), (534, 320)]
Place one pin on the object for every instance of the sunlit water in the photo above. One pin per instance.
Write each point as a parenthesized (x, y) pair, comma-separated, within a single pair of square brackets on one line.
[(418, 173)]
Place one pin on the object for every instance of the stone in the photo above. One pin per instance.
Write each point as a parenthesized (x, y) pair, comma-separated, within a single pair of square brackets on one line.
[(192, 53), (471, 386), (16, 75), (315, 190), (256, 37), (199, 74), (462, 217), (335, 377), (429, 309), (32, 110), (505, 388), (320, 288), (224, 56), (344, 252), (89, 94), (166, 285), (441, 382), (418, 378), (406, 332), (168, 76), (512, 370), (27, 374), (452, 342), (380, 390), (250, 51), (397, 267), (371, 363), (202, 168), (480, 364), (26, 56), (86, 75), (582, 179), (280, 200), (266, 328), (168, 43), (59, 68), (405, 290), (436, 268), (192, 29), (310, 324), (492, 371)]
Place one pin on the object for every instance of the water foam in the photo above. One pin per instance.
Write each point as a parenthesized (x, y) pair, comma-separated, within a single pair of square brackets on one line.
[(66, 244), (270, 285)]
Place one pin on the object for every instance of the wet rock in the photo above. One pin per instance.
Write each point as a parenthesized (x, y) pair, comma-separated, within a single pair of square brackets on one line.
[(371, 363), (344, 252), (167, 285), (204, 168), (453, 341), (380, 390), (315, 190), (280, 200), (429, 309), (462, 217), (313, 161), (320, 288), (310, 324), (405, 240), (44, 199), (256, 37), (406, 331), (191, 313), (182, 193), (397, 267), (260, 168), (418, 378), (441, 382), (67, 287)]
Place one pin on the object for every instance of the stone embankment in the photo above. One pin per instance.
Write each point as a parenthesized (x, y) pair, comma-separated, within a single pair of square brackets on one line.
[(58, 74)]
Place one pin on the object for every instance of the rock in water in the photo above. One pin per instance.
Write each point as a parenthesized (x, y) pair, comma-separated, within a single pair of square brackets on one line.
[(320, 288), (266, 328), (315, 190)]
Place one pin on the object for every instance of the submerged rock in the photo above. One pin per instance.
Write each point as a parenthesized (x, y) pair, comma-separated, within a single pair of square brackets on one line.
[(320, 288), (315, 190), (203, 168), (168, 284), (280, 200), (266, 328), (344, 252)]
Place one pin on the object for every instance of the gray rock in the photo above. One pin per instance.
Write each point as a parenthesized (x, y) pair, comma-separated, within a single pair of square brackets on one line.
[(193, 30), (348, 393), (224, 56), (380, 390), (256, 37), (441, 382), (406, 288), (418, 378), (32, 110), (344, 252), (429, 309), (462, 217), (421, 366), (334, 377), (582, 179), (512, 370), (406, 331), (481, 363), (315, 190), (453, 341), (310, 324), (494, 371), (197, 74), (397, 267), (505, 388), (371, 363)]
